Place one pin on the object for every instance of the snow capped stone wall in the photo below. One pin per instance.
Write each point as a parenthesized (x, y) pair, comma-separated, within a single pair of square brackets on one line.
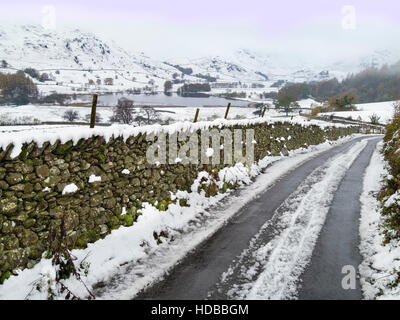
[(98, 182)]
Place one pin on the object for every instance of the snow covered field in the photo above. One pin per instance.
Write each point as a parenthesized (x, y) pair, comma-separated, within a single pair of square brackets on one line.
[(47, 113), (39, 113), (384, 110), (55, 113), (134, 249)]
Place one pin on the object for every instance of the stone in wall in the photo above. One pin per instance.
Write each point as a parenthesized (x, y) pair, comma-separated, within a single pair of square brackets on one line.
[(31, 185)]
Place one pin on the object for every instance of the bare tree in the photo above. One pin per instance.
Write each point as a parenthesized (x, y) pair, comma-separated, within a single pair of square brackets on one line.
[(123, 111), (140, 119), (149, 115), (71, 115), (167, 86)]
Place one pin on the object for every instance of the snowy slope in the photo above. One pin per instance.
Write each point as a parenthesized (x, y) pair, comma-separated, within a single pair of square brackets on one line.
[(72, 57), (75, 57), (80, 56), (384, 110), (268, 67), (248, 66)]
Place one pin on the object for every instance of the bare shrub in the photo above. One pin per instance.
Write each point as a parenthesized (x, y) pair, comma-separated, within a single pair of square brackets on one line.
[(63, 267), (147, 115), (315, 111), (374, 118), (71, 115)]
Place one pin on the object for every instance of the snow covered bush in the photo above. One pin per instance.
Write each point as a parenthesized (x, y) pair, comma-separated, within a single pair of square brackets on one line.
[(389, 195), (71, 115), (7, 119)]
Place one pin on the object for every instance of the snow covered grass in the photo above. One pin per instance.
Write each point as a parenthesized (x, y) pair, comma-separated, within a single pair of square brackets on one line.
[(206, 113), (130, 258), (272, 270), (381, 262), (43, 113), (380, 245), (308, 103), (384, 110), (46, 113), (7, 119)]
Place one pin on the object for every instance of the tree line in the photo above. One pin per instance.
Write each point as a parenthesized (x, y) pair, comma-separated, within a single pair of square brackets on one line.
[(17, 88), (370, 85)]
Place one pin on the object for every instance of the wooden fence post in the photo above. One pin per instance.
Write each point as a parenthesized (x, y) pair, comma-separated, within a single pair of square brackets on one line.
[(93, 115), (262, 116), (227, 110), (196, 115)]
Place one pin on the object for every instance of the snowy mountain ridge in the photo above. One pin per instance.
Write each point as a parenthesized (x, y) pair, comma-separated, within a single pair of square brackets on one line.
[(73, 56)]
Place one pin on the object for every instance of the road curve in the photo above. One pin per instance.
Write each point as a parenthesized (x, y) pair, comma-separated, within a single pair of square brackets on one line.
[(199, 272)]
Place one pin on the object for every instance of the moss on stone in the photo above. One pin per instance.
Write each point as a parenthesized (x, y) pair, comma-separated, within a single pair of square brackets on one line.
[(162, 205), (128, 219), (183, 203), (101, 157), (81, 242), (23, 154), (98, 206), (4, 276), (113, 223)]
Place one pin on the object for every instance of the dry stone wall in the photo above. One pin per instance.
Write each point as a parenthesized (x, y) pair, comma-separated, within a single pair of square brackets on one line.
[(31, 185)]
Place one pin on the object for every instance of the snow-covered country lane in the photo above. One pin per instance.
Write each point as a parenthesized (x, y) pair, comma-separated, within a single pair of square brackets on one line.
[(213, 231), (292, 241)]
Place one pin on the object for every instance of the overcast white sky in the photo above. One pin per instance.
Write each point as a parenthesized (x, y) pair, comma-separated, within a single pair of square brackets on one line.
[(323, 30)]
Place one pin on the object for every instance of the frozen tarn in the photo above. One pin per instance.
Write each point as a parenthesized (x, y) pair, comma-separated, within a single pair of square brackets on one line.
[(129, 259), (379, 261), (270, 268)]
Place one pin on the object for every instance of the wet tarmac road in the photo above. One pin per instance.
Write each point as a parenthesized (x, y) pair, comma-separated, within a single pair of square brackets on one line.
[(198, 273), (338, 242)]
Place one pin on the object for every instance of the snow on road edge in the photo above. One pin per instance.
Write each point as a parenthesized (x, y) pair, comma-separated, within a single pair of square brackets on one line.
[(284, 258), (379, 261), (107, 256)]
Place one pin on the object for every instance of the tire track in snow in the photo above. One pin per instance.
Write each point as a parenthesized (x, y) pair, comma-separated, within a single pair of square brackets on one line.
[(138, 276), (271, 266)]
